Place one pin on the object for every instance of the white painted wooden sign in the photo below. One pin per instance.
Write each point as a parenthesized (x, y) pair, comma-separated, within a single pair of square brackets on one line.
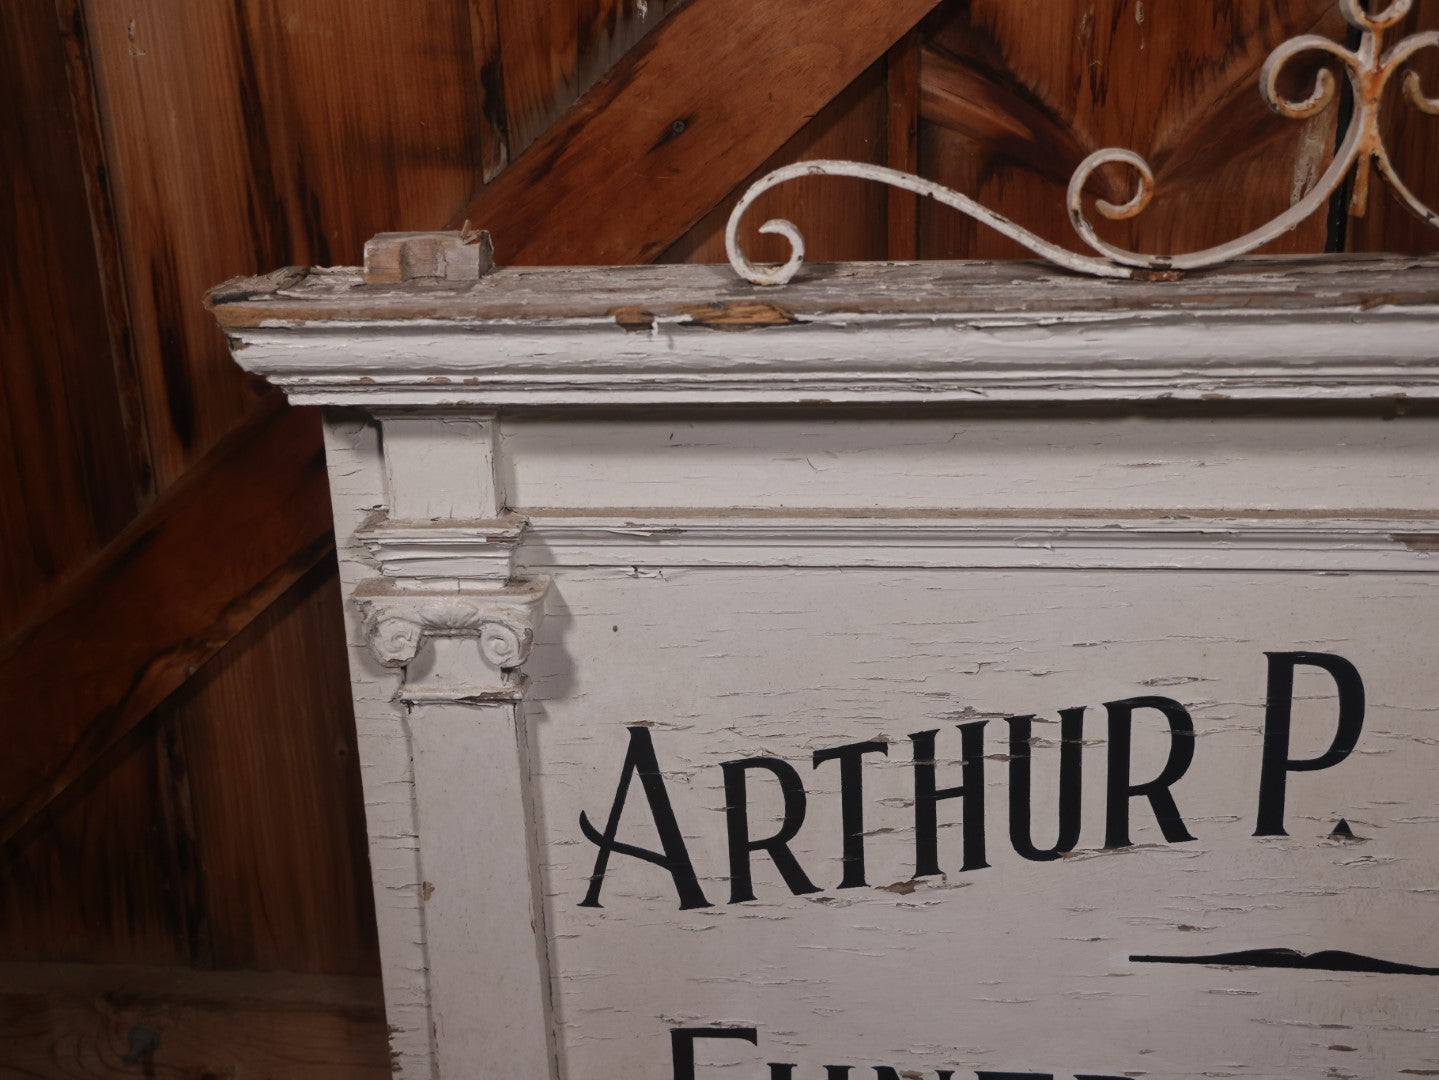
[(947, 671)]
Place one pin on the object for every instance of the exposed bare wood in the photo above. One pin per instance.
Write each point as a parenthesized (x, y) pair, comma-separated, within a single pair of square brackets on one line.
[(1410, 137), (167, 876), (396, 257), (90, 138), (847, 220), (902, 142), (278, 897), (107, 873), (232, 147), (74, 1022), (610, 28), (1014, 96), (67, 480), (971, 102), (180, 581), (538, 65), (681, 297), (492, 120), (647, 152)]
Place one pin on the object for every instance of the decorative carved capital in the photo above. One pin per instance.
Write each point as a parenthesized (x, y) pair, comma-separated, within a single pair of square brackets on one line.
[(460, 645)]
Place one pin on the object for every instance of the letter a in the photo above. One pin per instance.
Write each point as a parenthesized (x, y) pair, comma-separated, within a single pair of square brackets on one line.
[(640, 758)]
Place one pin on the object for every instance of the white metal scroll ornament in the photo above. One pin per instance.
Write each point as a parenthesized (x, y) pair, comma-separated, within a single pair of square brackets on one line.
[(1367, 67)]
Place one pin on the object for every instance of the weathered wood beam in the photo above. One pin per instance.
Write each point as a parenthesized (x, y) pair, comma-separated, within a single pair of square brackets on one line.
[(162, 598), (902, 144), (621, 177), (695, 107), (74, 1020)]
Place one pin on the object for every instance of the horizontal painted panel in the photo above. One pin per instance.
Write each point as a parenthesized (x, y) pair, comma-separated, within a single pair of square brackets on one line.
[(1164, 939), (974, 463)]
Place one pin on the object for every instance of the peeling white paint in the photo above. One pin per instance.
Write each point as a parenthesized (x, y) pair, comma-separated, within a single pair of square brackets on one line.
[(772, 584)]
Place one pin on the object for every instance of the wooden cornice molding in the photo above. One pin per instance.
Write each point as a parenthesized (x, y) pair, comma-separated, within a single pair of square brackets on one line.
[(211, 553), (966, 332)]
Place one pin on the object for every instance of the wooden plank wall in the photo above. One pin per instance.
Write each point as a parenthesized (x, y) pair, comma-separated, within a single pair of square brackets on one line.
[(149, 156)]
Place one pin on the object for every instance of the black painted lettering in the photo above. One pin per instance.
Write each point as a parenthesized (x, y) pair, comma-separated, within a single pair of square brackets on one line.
[(783, 1071), (737, 820), (1119, 791), (1013, 1076), (889, 1072), (1071, 762), (851, 803), (927, 798), (640, 758), (682, 1045), (1276, 764)]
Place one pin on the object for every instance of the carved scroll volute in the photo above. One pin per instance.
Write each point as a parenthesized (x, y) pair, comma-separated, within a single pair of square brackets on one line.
[(463, 647)]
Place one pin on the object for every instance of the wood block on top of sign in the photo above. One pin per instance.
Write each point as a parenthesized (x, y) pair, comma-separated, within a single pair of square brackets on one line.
[(465, 255)]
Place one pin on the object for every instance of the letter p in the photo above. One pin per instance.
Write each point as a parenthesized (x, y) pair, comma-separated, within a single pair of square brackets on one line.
[(1277, 764)]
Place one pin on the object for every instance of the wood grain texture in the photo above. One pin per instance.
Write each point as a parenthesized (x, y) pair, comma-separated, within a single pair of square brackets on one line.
[(181, 845), (105, 874), (90, 138), (532, 63), (845, 218), (246, 136), (1413, 142), (68, 482), (651, 149), (169, 593), (902, 143), (76, 1022), (540, 53), (278, 817), (1014, 96)]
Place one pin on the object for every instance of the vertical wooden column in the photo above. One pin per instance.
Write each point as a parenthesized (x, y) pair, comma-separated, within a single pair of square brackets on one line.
[(448, 613)]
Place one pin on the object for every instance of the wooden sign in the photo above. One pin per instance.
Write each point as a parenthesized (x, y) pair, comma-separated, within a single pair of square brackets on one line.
[(946, 672)]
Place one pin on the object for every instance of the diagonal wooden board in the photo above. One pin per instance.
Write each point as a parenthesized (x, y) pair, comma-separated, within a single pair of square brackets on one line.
[(693, 109), (212, 552), (612, 181)]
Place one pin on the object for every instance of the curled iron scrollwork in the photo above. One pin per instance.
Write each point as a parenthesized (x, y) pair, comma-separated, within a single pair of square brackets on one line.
[(1368, 68)]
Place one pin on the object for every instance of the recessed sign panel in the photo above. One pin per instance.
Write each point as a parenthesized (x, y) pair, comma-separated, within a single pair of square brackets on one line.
[(954, 824)]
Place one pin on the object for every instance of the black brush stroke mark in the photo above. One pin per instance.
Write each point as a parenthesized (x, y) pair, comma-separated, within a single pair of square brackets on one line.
[(1328, 960)]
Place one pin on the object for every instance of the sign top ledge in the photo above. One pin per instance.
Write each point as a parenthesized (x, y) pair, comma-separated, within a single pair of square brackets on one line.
[(441, 278)]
